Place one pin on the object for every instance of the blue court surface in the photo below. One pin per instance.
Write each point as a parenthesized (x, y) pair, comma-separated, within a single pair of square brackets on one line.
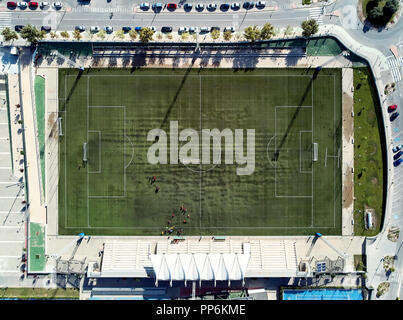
[(323, 294)]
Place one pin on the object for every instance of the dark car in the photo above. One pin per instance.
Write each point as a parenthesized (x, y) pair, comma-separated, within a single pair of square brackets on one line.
[(187, 7), (24, 257), (394, 116), (126, 29), (18, 27), (157, 7), (80, 28), (33, 4), (138, 29), (397, 155), (397, 148), (11, 4), (23, 267), (248, 5), (46, 28), (166, 29), (224, 7), (171, 6), (392, 108), (397, 162), (215, 28)]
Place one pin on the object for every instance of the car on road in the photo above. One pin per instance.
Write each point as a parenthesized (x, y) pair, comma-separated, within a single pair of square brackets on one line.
[(204, 29), (144, 6), (166, 29), (392, 108), (187, 7), (211, 6), (24, 257), (171, 6), (397, 155), (32, 4), (108, 29), (44, 5), (94, 29), (260, 4), (183, 29), (236, 6), (22, 4), (232, 29), (46, 28), (397, 162), (126, 29), (248, 5), (57, 5), (200, 7), (224, 7), (157, 6), (397, 148), (394, 116), (80, 28), (138, 29), (18, 27), (23, 267), (11, 4)]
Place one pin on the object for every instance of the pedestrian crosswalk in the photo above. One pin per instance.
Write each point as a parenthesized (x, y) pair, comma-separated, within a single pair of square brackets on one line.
[(395, 67), (5, 20), (317, 14)]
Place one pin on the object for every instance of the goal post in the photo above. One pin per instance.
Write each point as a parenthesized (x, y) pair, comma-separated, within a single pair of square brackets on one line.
[(85, 152), (59, 123), (315, 152)]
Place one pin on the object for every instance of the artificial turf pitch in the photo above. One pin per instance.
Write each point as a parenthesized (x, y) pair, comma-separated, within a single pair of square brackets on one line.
[(113, 110)]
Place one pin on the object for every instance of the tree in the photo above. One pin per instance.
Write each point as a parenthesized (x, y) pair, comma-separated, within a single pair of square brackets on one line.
[(120, 34), (77, 34), (31, 34), (252, 33), (101, 34), (390, 8), (53, 35), (133, 34), (375, 15), (267, 31), (185, 35), (215, 34), (146, 35), (309, 27), (288, 31), (9, 35), (227, 35), (159, 35)]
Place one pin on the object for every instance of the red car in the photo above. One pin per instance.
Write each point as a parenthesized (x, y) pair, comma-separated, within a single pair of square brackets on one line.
[(11, 4), (33, 4), (171, 6), (392, 108)]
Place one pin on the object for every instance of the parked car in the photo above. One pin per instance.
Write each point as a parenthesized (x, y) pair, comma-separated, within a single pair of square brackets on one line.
[(22, 4), (154, 29), (224, 7), (80, 28), (157, 7), (94, 29), (235, 6), (397, 162), (192, 30), (57, 5), (46, 28), (23, 267), (232, 29), (211, 6), (248, 5), (32, 4), (44, 5), (24, 257), (144, 6), (171, 6), (392, 108), (260, 4), (126, 29), (183, 29), (204, 29), (394, 116), (397, 148), (11, 4), (166, 29), (200, 7), (397, 155), (18, 27), (138, 29), (187, 7), (214, 28), (108, 29)]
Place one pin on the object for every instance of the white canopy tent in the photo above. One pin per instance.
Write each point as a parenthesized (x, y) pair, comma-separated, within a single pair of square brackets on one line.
[(201, 266)]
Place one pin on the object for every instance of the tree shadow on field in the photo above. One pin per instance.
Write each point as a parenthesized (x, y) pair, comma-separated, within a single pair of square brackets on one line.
[(125, 61), (178, 91), (294, 117), (80, 73), (113, 62), (138, 60)]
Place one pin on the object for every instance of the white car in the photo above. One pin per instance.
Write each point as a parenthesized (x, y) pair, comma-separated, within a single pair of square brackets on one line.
[(200, 7), (260, 4), (154, 29), (192, 30), (183, 29), (57, 5), (235, 6), (94, 29), (232, 29), (44, 5), (22, 4), (211, 6), (204, 29), (108, 29), (144, 6)]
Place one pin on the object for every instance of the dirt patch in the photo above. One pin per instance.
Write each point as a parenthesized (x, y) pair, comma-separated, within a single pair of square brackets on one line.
[(374, 180), (348, 128), (348, 188), (52, 125)]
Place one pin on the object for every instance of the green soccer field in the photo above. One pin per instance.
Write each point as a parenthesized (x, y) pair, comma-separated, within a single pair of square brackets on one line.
[(257, 176)]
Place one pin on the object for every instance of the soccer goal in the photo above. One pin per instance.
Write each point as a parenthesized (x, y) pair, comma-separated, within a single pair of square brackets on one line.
[(315, 151), (59, 123), (85, 152)]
